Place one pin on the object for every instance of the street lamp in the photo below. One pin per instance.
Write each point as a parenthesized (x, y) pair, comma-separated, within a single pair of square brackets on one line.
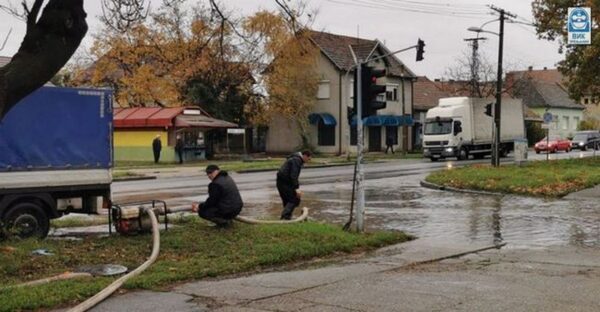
[(496, 141)]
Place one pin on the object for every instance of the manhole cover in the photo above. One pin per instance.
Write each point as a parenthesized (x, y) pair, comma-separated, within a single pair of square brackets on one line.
[(103, 269)]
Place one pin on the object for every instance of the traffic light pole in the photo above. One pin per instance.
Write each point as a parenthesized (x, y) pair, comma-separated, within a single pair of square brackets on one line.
[(360, 175)]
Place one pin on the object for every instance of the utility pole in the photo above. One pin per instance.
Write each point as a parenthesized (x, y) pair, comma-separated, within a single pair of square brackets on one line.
[(497, 106), (475, 91), (360, 194)]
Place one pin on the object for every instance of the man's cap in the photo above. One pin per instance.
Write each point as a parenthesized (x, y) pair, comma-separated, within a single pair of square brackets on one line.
[(211, 168)]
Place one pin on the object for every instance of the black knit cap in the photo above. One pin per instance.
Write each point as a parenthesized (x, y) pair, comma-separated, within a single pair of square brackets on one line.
[(211, 168)]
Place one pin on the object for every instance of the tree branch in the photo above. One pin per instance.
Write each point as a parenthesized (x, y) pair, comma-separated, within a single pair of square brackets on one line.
[(46, 48)]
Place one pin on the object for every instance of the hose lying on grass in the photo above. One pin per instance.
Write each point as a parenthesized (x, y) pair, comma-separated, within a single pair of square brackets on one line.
[(301, 218), (60, 277), (91, 302)]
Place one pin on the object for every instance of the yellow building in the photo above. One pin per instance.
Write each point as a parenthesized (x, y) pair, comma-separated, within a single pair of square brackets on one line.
[(136, 128)]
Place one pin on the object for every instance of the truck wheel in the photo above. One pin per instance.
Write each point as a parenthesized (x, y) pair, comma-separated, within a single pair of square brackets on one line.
[(463, 154), (27, 220)]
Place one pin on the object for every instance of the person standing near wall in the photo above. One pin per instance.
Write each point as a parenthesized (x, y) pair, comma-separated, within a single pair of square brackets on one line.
[(179, 148), (156, 147)]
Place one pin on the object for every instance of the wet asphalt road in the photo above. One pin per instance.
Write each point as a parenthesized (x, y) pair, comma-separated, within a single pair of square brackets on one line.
[(395, 200)]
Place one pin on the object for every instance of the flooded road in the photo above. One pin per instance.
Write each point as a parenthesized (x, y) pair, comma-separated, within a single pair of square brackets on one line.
[(395, 200), (402, 204)]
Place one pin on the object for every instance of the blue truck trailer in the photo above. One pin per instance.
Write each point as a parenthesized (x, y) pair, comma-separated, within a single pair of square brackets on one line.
[(56, 156)]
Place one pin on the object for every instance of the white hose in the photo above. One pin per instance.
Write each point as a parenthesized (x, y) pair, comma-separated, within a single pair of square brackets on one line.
[(91, 302), (301, 218), (60, 277)]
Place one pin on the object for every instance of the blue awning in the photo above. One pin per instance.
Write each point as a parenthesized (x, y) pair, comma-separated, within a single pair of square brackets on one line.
[(326, 118), (386, 121)]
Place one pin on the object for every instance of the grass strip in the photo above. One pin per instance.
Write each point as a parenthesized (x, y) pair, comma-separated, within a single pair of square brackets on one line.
[(189, 252), (554, 178)]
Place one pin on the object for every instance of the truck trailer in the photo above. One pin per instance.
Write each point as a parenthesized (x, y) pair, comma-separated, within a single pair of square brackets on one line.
[(56, 156), (459, 127)]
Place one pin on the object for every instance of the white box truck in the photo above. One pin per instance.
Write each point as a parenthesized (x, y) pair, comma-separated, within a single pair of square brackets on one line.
[(459, 127)]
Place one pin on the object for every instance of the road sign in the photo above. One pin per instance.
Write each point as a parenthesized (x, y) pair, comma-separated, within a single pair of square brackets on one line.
[(579, 25), (548, 118)]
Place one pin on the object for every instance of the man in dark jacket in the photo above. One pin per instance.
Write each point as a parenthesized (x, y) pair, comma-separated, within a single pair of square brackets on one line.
[(287, 182), (224, 201), (156, 147), (179, 148), (389, 143)]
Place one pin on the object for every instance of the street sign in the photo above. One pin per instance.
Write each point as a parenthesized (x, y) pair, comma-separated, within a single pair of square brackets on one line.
[(545, 126), (579, 25), (548, 118), (236, 131)]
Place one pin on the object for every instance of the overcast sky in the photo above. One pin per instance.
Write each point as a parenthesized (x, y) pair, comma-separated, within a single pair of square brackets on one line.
[(442, 24)]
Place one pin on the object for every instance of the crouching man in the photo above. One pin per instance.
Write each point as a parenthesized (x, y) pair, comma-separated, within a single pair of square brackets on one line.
[(224, 201)]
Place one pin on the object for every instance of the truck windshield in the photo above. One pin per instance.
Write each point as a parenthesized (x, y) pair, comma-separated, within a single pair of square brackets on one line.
[(434, 127), (580, 137)]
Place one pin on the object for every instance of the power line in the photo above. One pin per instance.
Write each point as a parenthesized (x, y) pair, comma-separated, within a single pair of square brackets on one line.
[(388, 7), (419, 7)]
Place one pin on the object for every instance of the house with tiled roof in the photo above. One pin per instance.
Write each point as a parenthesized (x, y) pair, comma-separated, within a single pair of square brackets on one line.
[(331, 130), (545, 91)]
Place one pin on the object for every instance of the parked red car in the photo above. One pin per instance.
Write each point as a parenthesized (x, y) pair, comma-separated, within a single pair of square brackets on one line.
[(556, 143)]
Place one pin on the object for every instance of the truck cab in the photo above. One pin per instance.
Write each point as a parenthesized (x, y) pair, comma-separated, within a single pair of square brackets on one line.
[(461, 127)]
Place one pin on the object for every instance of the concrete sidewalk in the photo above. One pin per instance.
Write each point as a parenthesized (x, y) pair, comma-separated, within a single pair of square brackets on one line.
[(591, 193), (558, 279)]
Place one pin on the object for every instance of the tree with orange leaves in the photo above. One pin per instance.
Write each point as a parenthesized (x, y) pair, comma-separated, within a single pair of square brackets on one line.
[(291, 78)]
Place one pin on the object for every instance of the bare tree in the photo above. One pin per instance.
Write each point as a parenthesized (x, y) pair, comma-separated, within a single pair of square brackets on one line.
[(120, 15), (461, 74), (52, 35)]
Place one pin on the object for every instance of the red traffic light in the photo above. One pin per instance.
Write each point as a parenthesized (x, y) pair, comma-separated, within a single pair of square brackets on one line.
[(420, 49)]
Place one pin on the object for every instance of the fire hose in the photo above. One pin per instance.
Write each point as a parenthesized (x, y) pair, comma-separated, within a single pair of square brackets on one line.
[(300, 218), (91, 302), (150, 212)]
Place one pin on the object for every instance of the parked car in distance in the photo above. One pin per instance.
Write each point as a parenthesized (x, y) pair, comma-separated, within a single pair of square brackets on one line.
[(586, 139), (554, 144)]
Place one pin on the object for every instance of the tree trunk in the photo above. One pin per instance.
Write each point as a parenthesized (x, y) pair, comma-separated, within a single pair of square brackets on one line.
[(48, 44)]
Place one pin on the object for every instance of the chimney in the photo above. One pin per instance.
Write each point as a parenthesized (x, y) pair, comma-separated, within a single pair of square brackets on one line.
[(545, 67), (436, 79), (530, 68)]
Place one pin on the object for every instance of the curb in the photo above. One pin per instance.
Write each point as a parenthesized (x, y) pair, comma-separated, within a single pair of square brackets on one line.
[(434, 186), (134, 179)]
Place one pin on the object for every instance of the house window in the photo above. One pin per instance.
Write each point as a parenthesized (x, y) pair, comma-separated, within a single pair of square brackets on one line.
[(353, 135), (586, 101), (565, 125), (391, 93), (323, 92), (575, 122), (326, 136)]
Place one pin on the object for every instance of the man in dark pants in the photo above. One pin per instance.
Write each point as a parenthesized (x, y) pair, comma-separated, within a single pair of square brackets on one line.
[(224, 201), (389, 142), (287, 182), (156, 147), (179, 148)]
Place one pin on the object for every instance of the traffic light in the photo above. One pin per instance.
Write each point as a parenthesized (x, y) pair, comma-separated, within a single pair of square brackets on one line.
[(420, 49), (370, 90), (488, 109)]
